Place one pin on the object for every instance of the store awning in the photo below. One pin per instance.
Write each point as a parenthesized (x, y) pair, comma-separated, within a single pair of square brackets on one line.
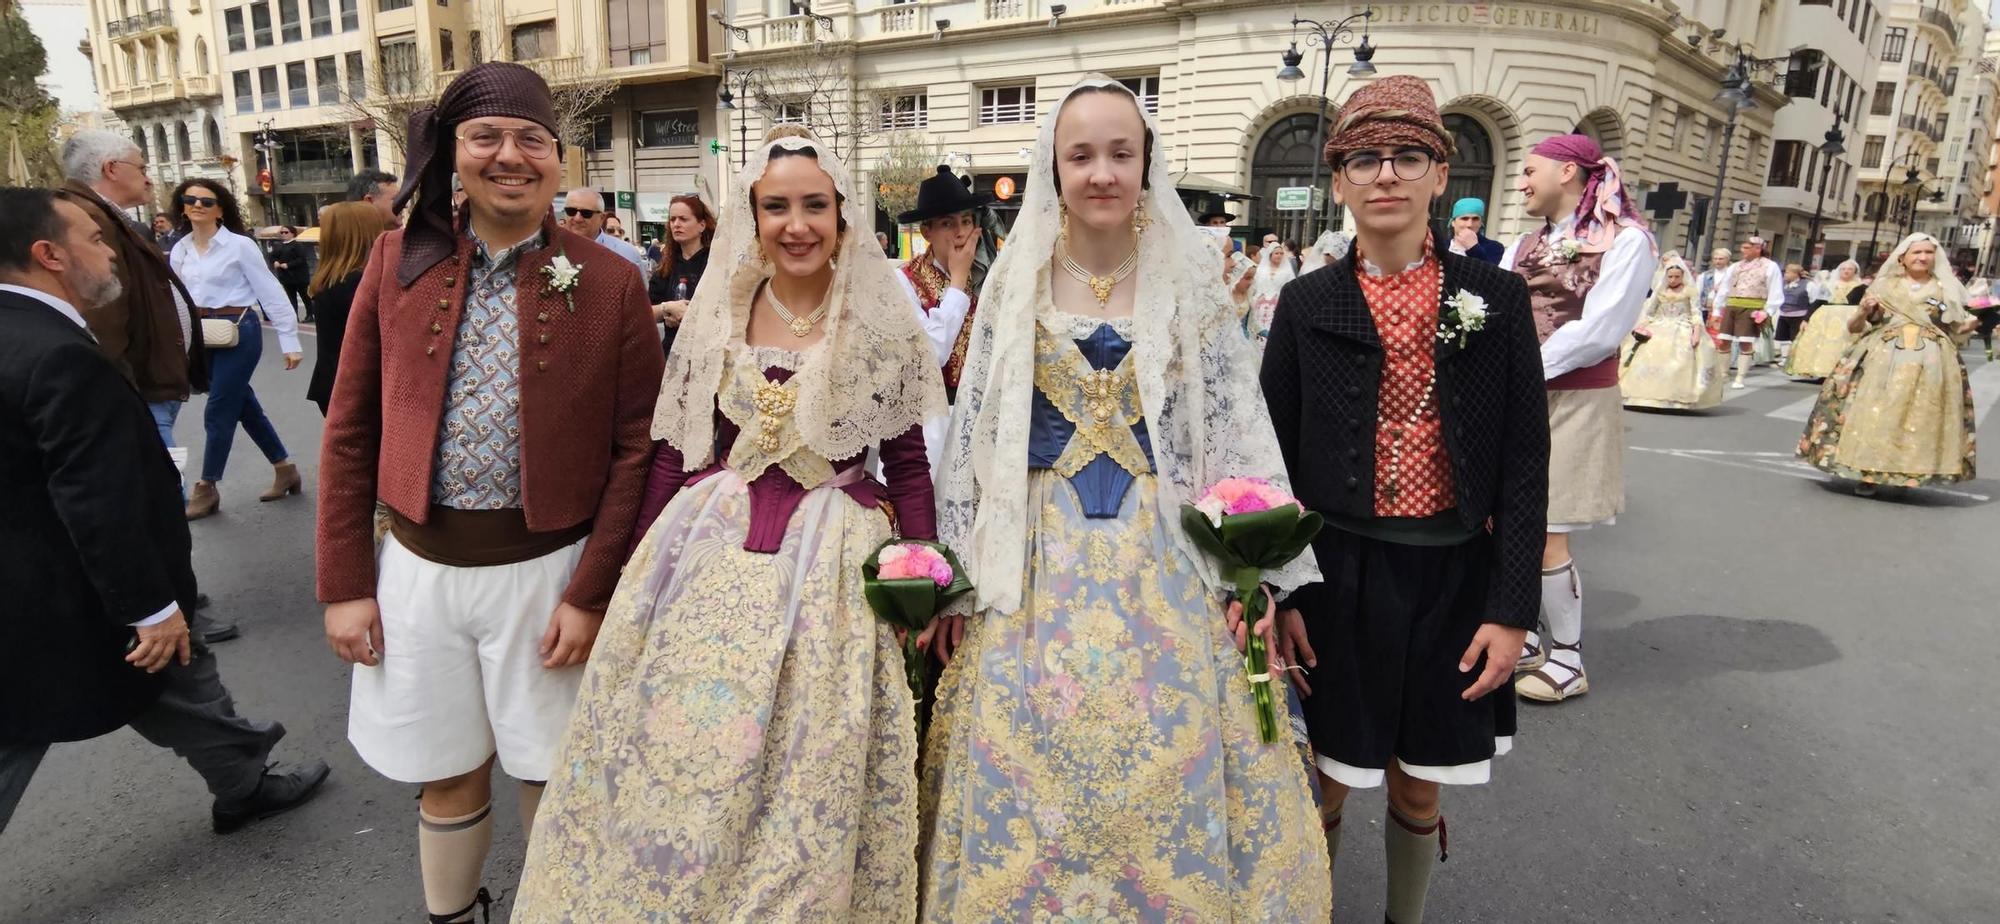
[(1203, 185)]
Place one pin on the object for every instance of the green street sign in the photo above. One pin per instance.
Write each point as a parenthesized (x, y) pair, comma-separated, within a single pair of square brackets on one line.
[(628, 200), (1294, 198)]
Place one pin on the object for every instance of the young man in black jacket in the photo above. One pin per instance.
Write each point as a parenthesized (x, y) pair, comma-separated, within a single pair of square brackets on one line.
[(1406, 390)]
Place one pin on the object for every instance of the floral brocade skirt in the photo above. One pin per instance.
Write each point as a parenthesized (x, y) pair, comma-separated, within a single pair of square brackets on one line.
[(1894, 412), (1677, 368), (743, 746), (1094, 756)]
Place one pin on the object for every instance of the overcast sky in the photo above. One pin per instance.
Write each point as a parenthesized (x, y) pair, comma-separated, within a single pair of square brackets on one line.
[(60, 24)]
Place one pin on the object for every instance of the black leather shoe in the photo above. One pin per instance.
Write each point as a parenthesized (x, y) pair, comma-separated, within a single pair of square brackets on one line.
[(201, 601), (277, 793), (211, 631)]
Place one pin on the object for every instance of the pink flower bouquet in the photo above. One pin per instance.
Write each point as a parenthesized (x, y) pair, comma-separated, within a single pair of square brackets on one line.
[(906, 582), (1249, 526)]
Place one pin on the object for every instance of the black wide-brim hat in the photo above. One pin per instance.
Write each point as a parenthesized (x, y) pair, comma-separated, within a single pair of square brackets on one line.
[(943, 195), (1207, 217)]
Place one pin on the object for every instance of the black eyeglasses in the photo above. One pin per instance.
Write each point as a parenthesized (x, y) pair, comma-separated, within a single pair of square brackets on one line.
[(207, 202), (1363, 169), (586, 213)]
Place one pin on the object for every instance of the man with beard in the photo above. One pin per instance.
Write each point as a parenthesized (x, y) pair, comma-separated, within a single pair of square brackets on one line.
[(94, 542)]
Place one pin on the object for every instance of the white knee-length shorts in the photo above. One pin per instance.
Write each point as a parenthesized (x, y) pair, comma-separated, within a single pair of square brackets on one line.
[(461, 676)]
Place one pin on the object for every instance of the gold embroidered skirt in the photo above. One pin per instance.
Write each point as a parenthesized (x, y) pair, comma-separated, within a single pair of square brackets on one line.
[(1823, 343), (744, 742), (1094, 756), (1678, 368), (1896, 411)]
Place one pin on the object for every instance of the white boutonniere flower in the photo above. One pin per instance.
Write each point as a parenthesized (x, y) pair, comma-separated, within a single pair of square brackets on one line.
[(1568, 249), (562, 276), (1464, 313)]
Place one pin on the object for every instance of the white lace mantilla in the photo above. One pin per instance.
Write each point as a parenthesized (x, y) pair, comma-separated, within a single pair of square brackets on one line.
[(1196, 374)]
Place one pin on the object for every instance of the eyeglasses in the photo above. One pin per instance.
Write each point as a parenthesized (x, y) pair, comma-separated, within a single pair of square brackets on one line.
[(1363, 169), (584, 213), (207, 202), (485, 141), (129, 163)]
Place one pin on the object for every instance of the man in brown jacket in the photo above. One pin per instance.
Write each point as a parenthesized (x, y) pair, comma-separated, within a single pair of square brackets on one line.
[(496, 392), (147, 332)]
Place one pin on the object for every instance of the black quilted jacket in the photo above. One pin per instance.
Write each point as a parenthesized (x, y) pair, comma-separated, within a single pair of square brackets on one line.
[(1322, 375)]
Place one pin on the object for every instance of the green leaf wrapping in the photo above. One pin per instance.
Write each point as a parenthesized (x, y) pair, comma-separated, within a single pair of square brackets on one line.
[(911, 604), (1245, 546)]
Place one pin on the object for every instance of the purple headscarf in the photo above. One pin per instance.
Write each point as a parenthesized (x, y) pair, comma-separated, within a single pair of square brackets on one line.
[(1606, 204)]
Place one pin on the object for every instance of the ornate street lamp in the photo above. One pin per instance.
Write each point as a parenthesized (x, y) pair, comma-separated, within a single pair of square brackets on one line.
[(1325, 35)]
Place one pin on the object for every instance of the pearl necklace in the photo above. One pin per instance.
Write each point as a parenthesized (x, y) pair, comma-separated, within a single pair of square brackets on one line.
[(1100, 286), (801, 326)]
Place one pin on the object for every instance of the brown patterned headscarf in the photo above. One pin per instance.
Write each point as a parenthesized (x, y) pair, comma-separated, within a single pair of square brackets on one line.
[(496, 88), (1395, 112)]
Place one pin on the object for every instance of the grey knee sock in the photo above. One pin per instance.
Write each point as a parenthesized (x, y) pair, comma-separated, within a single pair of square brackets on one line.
[(1414, 848)]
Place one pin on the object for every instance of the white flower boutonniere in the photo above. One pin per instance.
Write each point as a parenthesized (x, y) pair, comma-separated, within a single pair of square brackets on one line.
[(1463, 314), (562, 276), (1568, 249)]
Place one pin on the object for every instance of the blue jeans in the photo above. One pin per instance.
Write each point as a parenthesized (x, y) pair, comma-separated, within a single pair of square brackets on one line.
[(164, 415), (231, 401)]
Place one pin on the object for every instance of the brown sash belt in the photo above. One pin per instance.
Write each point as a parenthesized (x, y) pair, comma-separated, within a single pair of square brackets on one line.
[(231, 313)]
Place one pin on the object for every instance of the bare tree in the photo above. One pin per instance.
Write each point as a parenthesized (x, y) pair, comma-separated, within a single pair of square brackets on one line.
[(394, 89), (810, 87)]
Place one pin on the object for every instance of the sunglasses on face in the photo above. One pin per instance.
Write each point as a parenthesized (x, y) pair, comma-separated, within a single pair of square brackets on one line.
[(580, 213), (207, 202)]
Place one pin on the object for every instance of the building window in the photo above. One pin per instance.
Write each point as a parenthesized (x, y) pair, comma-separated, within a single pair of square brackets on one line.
[(1006, 105), (600, 133), (1892, 43), (246, 98), (288, 20), (399, 65), (905, 110), (260, 23), (791, 112), (357, 76), (181, 149), (1787, 162), (295, 85), (475, 49), (1877, 204), (447, 55), (1147, 89), (232, 23), (350, 15), (326, 73), (638, 31), (1871, 152), (321, 12), (1803, 73), (267, 88), (533, 40), (384, 6), (1884, 101)]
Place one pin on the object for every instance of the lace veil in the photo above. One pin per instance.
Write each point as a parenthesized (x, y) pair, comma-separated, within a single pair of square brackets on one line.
[(1330, 244), (1892, 268), (1197, 379), (873, 376)]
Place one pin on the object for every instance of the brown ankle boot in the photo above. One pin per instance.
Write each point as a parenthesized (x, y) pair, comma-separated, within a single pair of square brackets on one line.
[(204, 501), (286, 482)]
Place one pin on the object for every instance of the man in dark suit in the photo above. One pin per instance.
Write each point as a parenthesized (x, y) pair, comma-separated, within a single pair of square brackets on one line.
[(94, 539), (148, 331), (1405, 387), (291, 262)]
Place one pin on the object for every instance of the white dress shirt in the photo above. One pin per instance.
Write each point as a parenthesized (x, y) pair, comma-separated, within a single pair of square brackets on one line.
[(1610, 309), (69, 311), (942, 323), (233, 273), (1774, 287), (625, 249)]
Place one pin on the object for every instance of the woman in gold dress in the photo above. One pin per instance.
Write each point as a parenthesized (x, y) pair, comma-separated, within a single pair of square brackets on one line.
[(1668, 362), (1094, 754), (744, 744), (1897, 410), (1826, 336)]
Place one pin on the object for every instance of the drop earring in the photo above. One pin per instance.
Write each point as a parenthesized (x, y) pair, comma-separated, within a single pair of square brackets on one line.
[(1063, 227), (1140, 220)]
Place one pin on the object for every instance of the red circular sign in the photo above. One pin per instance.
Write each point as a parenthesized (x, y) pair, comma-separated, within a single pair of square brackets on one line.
[(1003, 188)]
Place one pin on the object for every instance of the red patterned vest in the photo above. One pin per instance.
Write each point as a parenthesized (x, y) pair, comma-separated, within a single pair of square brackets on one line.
[(931, 285), (1556, 289)]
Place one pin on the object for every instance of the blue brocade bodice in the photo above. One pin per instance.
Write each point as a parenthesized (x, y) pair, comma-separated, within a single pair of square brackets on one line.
[(1086, 404)]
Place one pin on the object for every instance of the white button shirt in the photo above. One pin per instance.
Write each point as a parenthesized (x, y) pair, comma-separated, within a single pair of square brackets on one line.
[(69, 311), (233, 273)]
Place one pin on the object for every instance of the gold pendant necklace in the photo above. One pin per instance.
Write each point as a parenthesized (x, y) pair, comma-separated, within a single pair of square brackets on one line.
[(801, 326), (1101, 286)]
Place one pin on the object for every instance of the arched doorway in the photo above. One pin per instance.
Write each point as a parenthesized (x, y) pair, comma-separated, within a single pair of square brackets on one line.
[(1284, 157), (1472, 167)]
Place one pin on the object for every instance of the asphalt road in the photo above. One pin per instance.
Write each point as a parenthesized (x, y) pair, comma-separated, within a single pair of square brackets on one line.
[(1790, 719)]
